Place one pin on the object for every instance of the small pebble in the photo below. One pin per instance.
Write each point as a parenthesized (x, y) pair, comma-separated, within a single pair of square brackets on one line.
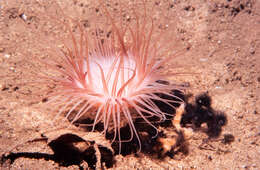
[(12, 69), (203, 59), (128, 18), (210, 158), (7, 55), (240, 117), (2, 49), (23, 16), (258, 133), (228, 138), (252, 51), (244, 166)]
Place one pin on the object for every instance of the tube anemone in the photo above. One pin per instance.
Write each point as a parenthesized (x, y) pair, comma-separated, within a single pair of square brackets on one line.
[(112, 79)]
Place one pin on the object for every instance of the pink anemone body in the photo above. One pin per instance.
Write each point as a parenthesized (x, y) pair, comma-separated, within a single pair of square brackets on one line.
[(112, 79)]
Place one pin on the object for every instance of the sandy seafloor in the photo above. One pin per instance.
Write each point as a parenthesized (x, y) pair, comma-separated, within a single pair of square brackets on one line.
[(223, 60)]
